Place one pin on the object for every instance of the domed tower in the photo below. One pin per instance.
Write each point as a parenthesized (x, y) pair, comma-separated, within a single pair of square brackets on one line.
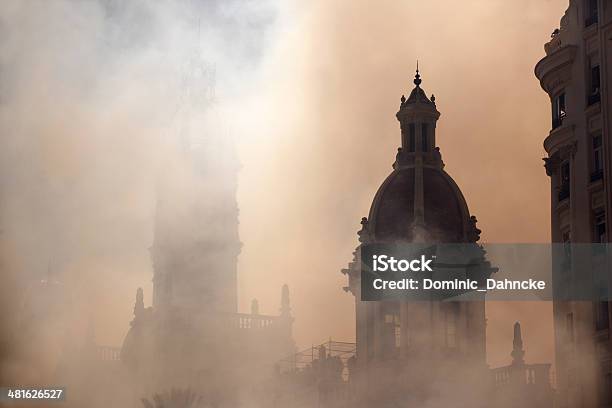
[(416, 343), (419, 201)]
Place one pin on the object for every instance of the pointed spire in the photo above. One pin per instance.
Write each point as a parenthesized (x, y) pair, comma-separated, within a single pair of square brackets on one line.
[(417, 95), (517, 345), (285, 309), (254, 307), (417, 77), (139, 304)]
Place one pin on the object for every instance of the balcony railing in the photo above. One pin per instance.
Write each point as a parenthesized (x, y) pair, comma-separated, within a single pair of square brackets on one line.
[(596, 175), (564, 192), (558, 120), (315, 357), (245, 321), (106, 353), (527, 374)]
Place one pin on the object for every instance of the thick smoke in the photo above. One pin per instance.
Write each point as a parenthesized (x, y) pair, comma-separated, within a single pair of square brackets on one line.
[(90, 111), (98, 100), (340, 77)]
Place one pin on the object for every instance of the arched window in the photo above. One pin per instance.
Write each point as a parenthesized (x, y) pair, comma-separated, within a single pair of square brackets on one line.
[(411, 138), (424, 137)]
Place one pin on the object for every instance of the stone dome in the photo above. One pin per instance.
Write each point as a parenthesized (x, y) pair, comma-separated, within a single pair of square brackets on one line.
[(445, 215), (419, 201)]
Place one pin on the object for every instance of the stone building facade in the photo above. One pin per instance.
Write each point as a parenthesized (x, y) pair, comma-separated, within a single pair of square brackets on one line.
[(576, 72)]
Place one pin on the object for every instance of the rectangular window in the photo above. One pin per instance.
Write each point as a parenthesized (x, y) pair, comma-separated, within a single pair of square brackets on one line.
[(591, 13), (597, 153), (558, 107), (564, 181), (424, 138), (597, 159), (565, 172), (567, 237), (411, 138), (567, 250), (594, 94)]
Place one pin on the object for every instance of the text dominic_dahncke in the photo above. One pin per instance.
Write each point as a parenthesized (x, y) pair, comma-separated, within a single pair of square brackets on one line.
[(385, 263)]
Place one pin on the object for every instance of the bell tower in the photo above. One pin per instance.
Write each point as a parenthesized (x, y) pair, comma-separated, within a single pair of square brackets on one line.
[(408, 346), (418, 116)]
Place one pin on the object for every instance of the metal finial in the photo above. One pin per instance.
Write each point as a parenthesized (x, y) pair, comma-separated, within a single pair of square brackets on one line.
[(417, 77)]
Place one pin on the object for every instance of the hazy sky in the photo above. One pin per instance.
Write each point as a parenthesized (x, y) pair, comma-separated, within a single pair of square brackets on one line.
[(336, 78), (311, 102)]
